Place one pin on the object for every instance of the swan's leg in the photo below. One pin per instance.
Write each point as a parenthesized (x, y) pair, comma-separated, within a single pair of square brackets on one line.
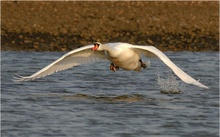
[(142, 64), (117, 67), (113, 67)]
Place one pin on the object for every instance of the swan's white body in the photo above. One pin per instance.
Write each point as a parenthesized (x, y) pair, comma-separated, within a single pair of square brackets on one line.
[(123, 55)]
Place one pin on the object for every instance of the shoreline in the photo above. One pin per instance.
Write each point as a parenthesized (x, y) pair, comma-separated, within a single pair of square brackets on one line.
[(64, 26), (47, 42)]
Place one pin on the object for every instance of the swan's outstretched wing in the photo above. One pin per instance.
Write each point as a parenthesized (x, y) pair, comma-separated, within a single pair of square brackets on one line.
[(73, 58), (180, 73)]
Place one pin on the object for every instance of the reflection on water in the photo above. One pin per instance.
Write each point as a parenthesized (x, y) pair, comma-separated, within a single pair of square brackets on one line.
[(92, 101), (102, 98)]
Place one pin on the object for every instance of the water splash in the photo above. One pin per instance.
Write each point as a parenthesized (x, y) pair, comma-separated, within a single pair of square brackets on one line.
[(169, 85), (147, 63)]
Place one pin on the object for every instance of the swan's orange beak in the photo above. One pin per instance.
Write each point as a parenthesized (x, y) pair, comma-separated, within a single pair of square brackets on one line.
[(96, 46)]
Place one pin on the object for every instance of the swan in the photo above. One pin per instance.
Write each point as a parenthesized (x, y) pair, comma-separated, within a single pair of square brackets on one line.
[(121, 55)]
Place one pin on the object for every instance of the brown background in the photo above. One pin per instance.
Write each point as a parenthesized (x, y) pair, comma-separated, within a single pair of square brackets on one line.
[(62, 25)]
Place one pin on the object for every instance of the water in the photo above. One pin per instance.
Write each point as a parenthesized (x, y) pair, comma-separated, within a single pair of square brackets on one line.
[(92, 101)]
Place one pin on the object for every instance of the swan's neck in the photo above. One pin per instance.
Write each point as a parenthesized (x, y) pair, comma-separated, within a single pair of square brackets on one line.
[(112, 52), (107, 48)]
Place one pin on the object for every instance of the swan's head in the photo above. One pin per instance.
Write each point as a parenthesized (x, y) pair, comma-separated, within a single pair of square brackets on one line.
[(97, 46)]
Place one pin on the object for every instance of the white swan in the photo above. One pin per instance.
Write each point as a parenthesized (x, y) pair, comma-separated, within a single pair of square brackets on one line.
[(121, 55)]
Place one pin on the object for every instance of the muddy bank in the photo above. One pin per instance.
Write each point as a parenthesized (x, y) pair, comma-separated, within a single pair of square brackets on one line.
[(63, 26)]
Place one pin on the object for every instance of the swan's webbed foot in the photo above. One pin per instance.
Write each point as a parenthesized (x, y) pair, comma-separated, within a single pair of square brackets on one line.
[(142, 64), (113, 67)]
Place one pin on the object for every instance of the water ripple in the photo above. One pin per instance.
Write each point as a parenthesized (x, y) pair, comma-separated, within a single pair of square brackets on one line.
[(92, 101)]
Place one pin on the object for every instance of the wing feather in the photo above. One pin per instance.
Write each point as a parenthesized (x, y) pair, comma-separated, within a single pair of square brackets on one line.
[(73, 58), (179, 72)]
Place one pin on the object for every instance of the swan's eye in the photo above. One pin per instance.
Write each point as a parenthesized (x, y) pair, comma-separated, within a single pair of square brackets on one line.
[(96, 44)]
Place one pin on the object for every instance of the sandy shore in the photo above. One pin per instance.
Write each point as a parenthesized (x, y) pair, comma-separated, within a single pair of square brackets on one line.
[(57, 26)]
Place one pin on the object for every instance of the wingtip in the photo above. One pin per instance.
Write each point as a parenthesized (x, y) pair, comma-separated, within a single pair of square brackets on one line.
[(17, 78), (201, 85), (206, 87)]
